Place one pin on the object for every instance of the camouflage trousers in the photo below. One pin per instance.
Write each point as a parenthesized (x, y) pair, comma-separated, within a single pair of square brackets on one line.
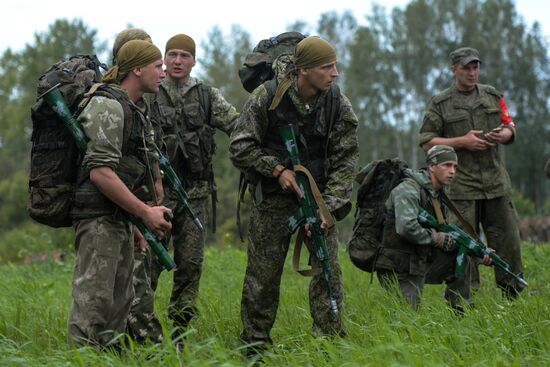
[(499, 221), (102, 281), (143, 323), (440, 269), (268, 245), (188, 243)]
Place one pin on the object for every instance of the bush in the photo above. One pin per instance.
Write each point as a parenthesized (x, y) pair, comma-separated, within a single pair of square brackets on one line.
[(524, 206)]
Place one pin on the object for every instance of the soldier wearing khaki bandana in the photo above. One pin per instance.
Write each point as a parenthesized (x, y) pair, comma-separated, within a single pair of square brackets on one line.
[(328, 149)]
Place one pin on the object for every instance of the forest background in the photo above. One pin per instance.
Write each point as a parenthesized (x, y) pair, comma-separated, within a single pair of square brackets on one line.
[(389, 69)]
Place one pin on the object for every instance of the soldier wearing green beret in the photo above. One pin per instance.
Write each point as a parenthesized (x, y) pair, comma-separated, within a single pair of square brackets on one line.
[(473, 119), (325, 124), (118, 163), (412, 255)]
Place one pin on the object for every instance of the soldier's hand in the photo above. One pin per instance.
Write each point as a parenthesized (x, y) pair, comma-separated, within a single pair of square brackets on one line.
[(140, 243), (287, 181), (487, 261), (475, 140), (443, 241), (499, 135), (155, 219)]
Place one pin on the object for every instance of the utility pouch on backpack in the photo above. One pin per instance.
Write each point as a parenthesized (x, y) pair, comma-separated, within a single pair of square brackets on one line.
[(377, 179), (54, 155)]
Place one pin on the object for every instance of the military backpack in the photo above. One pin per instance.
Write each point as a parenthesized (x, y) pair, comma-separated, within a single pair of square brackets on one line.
[(54, 155), (376, 181), (257, 66)]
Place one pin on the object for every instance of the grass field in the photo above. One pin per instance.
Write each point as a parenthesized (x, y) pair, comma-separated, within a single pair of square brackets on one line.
[(382, 331)]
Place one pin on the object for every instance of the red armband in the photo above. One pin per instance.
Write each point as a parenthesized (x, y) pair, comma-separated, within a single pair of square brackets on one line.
[(505, 117)]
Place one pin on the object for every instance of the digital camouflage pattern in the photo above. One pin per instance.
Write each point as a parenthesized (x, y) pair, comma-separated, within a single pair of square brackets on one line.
[(449, 115), (102, 281), (408, 255), (268, 234), (481, 178), (268, 245), (246, 152)]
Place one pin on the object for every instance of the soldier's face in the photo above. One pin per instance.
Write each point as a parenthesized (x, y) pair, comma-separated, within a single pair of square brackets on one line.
[(466, 76), (320, 77), (443, 173), (151, 76), (179, 64)]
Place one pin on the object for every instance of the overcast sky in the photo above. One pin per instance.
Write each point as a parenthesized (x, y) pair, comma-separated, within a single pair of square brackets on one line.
[(21, 19)]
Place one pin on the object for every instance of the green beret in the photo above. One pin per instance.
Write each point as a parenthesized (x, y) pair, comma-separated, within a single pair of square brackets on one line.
[(181, 42), (133, 54), (128, 35), (440, 153), (312, 52)]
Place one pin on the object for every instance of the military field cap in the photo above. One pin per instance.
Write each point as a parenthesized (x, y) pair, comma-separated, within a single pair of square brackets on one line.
[(440, 153), (125, 36), (464, 55), (312, 52), (133, 54), (181, 42)]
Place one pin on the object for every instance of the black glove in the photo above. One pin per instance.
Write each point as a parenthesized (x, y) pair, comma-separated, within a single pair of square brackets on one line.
[(443, 241)]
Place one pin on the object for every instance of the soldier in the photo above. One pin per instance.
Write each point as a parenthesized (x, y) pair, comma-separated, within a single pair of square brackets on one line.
[(142, 325), (326, 125), (186, 113), (473, 119), (119, 161), (412, 255)]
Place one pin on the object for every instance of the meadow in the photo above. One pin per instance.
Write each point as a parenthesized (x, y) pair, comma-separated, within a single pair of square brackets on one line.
[(381, 329)]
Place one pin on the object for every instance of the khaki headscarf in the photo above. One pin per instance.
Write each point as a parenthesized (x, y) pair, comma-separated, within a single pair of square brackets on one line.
[(181, 42), (125, 36), (309, 53), (133, 54)]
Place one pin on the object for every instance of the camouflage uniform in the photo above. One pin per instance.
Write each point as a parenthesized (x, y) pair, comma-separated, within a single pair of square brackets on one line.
[(481, 189), (185, 116), (256, 148), (102, 280), (407, 254)]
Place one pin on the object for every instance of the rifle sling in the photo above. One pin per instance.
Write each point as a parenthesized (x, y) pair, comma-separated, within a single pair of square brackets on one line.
[(448, 202), (324, 212)]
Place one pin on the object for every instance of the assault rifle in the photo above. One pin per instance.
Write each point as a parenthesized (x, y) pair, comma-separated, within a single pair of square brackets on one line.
[(467, 244), (177, 186), (55, 100), (307, 213)]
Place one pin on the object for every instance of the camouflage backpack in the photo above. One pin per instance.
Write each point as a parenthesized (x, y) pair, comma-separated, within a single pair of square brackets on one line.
[(54, 155), (376, 180), (257, 67)]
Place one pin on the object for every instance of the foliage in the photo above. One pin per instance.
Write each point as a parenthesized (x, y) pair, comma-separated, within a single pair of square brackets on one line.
[(381, 330), (524, 206)]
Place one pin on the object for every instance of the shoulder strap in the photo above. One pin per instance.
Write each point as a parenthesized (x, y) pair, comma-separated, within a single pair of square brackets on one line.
[(448, 202), (331, 111), (204, 99)]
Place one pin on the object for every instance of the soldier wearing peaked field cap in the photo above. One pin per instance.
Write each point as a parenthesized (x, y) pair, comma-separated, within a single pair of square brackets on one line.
[(474, 120)]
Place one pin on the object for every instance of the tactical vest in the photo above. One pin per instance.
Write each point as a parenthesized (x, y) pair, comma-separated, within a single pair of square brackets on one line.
[(133, 168), (188, 137), (312, 138), (397, 253)]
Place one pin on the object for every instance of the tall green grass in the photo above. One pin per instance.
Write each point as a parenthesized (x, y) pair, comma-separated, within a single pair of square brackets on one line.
[(381, 330)]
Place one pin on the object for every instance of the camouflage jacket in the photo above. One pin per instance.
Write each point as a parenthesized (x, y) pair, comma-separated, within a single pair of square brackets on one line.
[(481, 174), (115, 145), (187, 128), (252, 126), (406, 245)]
